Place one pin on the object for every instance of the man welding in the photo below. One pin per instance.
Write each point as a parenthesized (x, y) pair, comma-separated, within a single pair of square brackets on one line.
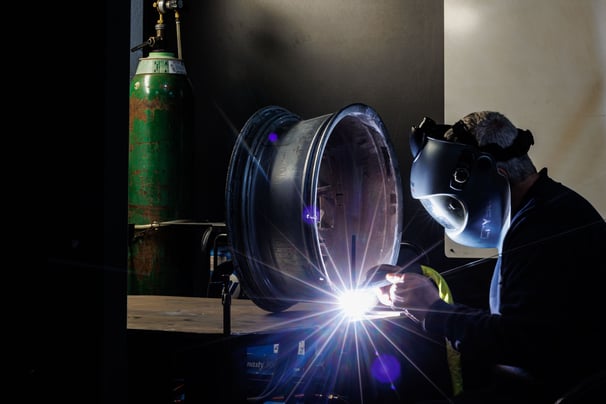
[(543, 339)]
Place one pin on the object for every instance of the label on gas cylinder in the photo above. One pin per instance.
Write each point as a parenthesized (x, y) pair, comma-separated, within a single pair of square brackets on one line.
[(154, 66)]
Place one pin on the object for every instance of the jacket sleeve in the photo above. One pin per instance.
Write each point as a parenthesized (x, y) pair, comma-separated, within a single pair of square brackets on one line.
[(468, 329)]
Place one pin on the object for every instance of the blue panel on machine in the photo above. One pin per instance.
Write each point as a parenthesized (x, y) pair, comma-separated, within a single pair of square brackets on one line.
[(262, 359)]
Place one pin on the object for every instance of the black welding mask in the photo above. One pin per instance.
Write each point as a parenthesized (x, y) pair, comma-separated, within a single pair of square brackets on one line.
[(459, 185)]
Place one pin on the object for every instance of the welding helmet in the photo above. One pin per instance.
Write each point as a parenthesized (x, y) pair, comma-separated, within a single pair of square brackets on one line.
[(458, 183)]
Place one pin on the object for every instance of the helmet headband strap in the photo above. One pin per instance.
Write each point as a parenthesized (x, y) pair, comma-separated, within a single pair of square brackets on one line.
[(519, 147)]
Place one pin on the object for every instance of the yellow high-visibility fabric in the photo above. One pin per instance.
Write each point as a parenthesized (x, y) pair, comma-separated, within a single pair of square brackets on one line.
[(453, 357)]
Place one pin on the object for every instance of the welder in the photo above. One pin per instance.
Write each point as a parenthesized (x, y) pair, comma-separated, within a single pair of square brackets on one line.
[(540, 337)]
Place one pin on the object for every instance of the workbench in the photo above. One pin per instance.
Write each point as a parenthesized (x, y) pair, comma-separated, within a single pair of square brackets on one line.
[(207, 315), (180, 350)]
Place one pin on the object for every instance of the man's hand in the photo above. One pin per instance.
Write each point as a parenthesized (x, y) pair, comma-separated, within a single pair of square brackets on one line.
[(410, 293)]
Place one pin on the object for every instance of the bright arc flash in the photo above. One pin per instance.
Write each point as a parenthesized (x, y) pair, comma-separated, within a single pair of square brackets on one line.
[(355, 303)]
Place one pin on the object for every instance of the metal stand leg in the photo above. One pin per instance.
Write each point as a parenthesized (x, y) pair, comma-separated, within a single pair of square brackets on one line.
[(226, 300)]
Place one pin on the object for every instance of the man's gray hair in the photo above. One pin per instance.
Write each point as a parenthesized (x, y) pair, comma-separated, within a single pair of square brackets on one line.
[(493, 127)]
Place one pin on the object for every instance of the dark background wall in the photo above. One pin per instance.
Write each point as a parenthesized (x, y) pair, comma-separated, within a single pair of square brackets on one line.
[(312, 58), (71, 333)]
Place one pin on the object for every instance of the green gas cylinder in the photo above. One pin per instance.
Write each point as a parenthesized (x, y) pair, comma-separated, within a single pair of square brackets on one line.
[(159, 175)]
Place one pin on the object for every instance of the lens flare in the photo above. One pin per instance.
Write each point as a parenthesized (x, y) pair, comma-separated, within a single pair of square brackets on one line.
[(385, 368), (311, 215)]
